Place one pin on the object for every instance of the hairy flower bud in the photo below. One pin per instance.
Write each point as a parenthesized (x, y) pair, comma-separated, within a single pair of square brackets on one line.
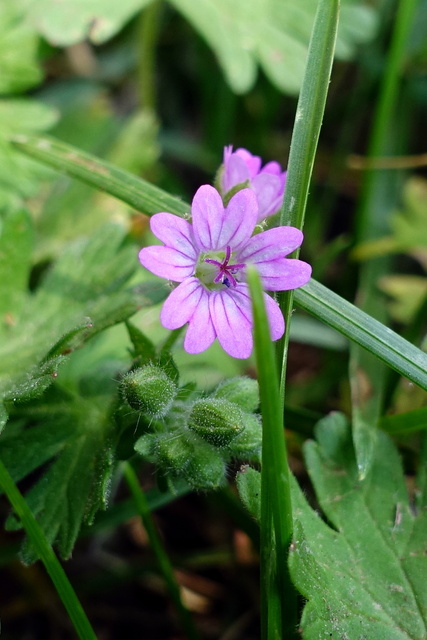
[(149, 390), (241, 391), (216, 420)]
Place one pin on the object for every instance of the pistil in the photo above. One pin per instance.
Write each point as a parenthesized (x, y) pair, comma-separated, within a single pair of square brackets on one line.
[(226, 271)]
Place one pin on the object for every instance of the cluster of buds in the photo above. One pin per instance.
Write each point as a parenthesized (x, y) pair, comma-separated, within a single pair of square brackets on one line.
[(193, 438)]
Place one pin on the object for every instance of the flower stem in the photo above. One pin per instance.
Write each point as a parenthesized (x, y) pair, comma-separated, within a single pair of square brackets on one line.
[(308, 121), (159, 551), (44, 550), (278, 595)]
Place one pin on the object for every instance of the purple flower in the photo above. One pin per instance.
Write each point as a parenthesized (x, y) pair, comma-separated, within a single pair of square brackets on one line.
[(268, 182), (208, 258)]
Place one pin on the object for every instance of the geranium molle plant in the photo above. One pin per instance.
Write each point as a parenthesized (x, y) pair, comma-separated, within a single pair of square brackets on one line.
[(208, 259), (240, 167)]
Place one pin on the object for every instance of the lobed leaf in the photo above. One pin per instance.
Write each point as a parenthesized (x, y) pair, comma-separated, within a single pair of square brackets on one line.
[(364, 574)]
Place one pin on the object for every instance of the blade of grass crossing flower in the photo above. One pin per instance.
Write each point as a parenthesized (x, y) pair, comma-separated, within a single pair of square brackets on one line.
[(47, 556), (380, 193), (159, 551), (308, 122), (314, 298), (278, 594), (134, 191)]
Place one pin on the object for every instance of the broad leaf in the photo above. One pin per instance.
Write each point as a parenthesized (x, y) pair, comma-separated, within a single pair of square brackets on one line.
[(364, 574)]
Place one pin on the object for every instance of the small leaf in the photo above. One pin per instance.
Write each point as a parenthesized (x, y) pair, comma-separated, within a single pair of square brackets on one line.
[(144, 349)]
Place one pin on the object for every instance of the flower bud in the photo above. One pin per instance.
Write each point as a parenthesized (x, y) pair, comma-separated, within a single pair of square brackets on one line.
[(217, 421), (206, 468), (173, 452), (242, 391), (149, 390), (247, 444)]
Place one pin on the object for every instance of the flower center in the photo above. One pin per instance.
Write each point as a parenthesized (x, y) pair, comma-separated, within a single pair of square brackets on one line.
[(217, 270)]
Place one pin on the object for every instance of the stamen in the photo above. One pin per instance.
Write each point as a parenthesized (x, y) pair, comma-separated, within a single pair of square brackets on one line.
[(226, 271)]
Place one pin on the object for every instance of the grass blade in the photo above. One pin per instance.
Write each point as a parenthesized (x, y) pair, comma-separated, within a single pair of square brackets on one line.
[(128, 188), (278, 601), (47, 556), (308, 122), (364, 330)]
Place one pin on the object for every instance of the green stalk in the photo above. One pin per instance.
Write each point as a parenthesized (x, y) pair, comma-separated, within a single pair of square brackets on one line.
[(159, 551), (147, 40), (308, 121), (380, 193), (278, 595), (47, 556)]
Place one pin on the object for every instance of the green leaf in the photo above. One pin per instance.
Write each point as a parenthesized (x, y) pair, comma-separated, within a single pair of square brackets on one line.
[(274, 35), (18, 50), (242, 35), (72, 21), (365, 577), (144, 349), (79, 297), (79, 431)]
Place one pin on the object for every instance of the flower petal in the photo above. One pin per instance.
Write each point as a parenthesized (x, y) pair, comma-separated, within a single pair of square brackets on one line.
[(275, 317), (175, 232), (235, 172), (253, 163), (208, 213), (270, 245), (200, 333), (232, 319), (181, 303), (166, 262), (272, 167), (269, 189), (239, 220), (283, 274)]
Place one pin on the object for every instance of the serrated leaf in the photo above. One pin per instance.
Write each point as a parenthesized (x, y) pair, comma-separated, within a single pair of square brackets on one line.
[(80, 296), (364, 578), (242, 34), (144, 349), (273, 34), (76, 484)]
